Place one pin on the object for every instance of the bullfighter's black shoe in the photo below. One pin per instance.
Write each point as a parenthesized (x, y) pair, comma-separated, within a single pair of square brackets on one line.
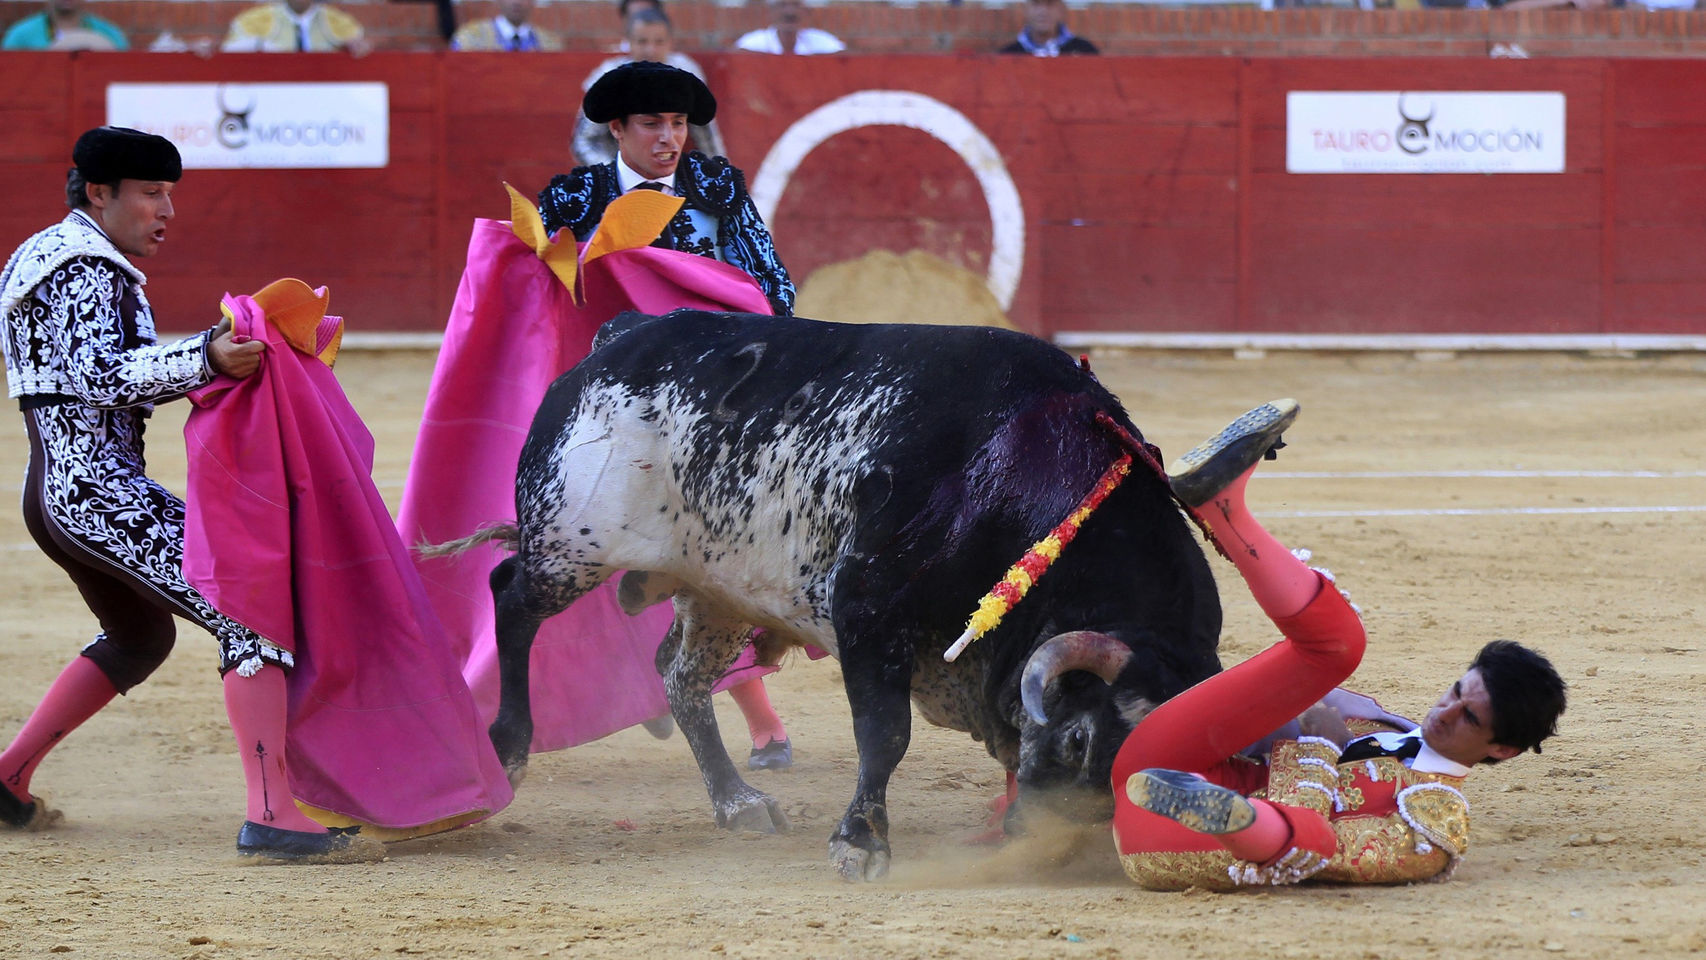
[(1208, 467), (15, 813), (264, 844), (1190, 801), (775, 755)]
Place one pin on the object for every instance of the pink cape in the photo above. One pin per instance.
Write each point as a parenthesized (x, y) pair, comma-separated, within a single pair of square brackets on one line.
[(286, 534), (512, 331)]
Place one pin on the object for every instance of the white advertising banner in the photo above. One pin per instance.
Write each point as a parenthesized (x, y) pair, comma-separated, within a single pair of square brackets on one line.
[(227, 126), (1421, 131)]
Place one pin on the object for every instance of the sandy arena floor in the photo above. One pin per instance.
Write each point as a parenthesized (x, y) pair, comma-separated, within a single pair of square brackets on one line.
[(1593, 850)]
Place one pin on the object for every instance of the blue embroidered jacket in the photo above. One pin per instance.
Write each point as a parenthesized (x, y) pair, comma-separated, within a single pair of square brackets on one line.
[(718, 220)]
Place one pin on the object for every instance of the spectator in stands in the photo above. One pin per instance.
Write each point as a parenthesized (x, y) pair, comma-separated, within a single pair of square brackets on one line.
[(1368, 4), (1045, 33), (295, 26), (787, 34), (648, 37), (626, 10), (1531, 5), (509, 30), (63, 25)]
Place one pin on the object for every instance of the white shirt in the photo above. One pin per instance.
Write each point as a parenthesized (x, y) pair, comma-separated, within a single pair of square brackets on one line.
[(507, 32), (1425, 760), (94, 224), (810, 40), (628, 178), (304, 23)]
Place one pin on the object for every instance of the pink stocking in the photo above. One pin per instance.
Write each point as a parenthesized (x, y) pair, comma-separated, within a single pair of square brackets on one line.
[(79, 692), (1281, 583), (258, 707), (762, 723)]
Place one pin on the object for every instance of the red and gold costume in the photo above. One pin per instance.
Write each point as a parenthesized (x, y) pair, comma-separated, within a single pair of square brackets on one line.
[(1368, 821)]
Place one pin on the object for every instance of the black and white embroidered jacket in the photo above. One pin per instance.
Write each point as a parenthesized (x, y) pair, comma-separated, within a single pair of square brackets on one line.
[(74, 325), (718, 220)]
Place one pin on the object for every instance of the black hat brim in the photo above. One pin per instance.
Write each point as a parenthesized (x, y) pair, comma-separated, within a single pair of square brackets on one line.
[(111, 154), (642, 86)]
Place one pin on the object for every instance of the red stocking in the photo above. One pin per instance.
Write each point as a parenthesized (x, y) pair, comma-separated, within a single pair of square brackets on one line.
[(1281, 583), (1263, 840), (1201, 729)]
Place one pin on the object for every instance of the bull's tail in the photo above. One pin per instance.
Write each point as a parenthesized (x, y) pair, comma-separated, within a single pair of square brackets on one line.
[(506, 533)]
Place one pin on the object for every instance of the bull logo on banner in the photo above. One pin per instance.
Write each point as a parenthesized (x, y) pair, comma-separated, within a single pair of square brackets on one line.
[(232, 130), (1413, 132)]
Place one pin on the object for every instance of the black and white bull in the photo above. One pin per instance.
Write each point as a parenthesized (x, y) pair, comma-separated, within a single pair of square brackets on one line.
[(859, 487)]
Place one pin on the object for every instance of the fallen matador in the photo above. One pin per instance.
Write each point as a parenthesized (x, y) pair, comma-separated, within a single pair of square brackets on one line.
[(1193, 810)]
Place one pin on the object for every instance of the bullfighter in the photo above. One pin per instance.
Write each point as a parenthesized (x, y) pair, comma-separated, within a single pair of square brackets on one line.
[(648, 108), (83, 361), (1192, 809)]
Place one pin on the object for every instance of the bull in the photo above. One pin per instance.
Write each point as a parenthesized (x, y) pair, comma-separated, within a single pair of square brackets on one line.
[(859, 487)]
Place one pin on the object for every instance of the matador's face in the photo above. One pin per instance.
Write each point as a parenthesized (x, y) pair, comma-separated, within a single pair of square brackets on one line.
[(1460, 726), (651, 143), (133, 213)]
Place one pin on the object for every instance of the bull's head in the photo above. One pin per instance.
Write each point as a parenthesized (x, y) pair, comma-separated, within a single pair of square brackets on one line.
[(1076, 716)]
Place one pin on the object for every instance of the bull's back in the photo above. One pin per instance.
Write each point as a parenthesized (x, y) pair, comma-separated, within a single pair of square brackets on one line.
[(742, 452), (769, 372)]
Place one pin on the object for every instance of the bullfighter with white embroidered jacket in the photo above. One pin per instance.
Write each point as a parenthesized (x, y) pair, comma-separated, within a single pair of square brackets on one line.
[(84, 364)]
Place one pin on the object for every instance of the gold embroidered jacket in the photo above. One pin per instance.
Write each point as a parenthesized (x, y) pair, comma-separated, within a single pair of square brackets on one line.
[(1393, 825)]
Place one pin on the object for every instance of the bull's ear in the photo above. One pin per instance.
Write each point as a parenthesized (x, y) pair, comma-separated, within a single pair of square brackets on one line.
[(1133, 709)]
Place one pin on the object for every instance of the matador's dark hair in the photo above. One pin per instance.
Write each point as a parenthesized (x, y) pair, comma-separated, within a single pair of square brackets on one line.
[(76, 196), (1526, 691)]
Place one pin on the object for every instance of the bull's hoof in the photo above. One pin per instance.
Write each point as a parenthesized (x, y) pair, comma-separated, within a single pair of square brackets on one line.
[(856, 864), (511, 741), (759, 813)]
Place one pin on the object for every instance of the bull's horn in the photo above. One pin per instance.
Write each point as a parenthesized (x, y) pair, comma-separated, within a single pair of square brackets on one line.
[(1098, 653)]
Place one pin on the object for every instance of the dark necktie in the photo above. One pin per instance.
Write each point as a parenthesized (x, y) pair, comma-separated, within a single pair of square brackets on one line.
[(649, 185), (1368, 748)]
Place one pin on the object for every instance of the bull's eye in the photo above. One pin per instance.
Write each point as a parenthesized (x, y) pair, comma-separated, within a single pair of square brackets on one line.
[(1079, 739)]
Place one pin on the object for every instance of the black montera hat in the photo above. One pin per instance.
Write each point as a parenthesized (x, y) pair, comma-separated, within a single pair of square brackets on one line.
[(111, 154), (642, 86)]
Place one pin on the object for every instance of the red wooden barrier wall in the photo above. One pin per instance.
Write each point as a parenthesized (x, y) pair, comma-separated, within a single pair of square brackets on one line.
[(1155, 193)]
